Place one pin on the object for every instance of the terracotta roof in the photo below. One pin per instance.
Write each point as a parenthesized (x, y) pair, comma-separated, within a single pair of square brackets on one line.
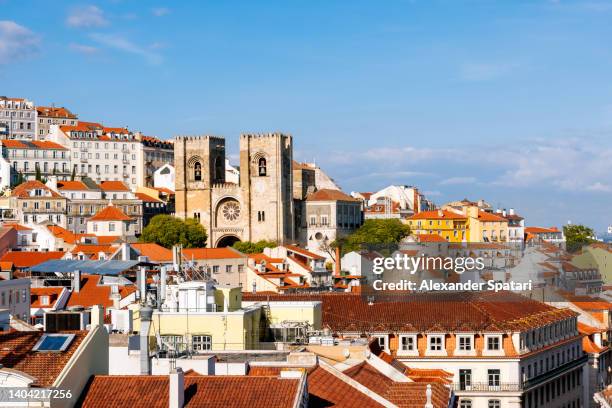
[(155, 252), (303, 252), (107, 239), (402, 394), (118, 130), (421, 312), (71, 185), (211, 253), (430, 238), (29, 259), (52, 291), (6, 266), (92, 293), (164, 190), (200, 391), (540, 230), (16, 353), (92, 250), (55, 112), (147, 198), (328, 194), (82, 127), (438, 215), (35, 144), (329, 390), (490, 217), (18, 227), (110, 213), (23, 189), (113, 186)]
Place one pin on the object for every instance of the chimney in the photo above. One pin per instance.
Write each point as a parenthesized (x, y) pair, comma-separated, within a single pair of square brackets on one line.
[(125, 251), (504, 213), (52, 183), (440, 213), (115, 296), (76, 281), (163, 277), (176, 257), (428, 404), (97, 316), (142, 281), (146, 315), (338, 264), (511, 211), (176, 393)]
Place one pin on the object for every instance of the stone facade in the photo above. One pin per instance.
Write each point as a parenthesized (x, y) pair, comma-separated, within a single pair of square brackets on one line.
[(259, 207)]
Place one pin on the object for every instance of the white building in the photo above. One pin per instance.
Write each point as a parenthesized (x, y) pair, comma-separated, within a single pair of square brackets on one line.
[(111, 221), (15, 296), (26, 159), (232, 174), (164, 177), (17, 119)]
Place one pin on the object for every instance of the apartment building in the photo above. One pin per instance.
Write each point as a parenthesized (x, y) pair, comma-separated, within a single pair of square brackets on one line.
[(36, 203), (503, 350), (447, 224), (100, 153), (17, 118), (51, 115), (25, 159)]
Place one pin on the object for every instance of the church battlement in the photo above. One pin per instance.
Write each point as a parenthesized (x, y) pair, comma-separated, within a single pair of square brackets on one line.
[(224, 186), (264, 135), (201, 137)]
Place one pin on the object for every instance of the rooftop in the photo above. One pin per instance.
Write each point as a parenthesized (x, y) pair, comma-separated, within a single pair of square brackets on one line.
[(29, 259), (110, 213), (328, 194)]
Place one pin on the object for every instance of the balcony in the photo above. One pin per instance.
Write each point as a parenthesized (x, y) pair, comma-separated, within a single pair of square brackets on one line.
[(550, 374), (486, 387)]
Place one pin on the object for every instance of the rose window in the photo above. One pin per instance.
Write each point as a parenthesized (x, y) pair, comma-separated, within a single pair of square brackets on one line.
[(231, 211)]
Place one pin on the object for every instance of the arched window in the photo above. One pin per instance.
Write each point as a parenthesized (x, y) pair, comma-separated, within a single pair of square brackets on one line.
[(261, 165), (197, 171)]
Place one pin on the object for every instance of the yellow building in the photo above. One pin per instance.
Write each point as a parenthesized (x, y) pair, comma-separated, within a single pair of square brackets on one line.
[(450, 225), (485, 226), (597, 255), (200, 317)]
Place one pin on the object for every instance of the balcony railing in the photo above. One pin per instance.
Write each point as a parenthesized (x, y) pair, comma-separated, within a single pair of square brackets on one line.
[(485, 386)]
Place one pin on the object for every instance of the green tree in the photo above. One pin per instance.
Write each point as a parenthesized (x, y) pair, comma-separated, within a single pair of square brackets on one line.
[(382, 235), (73, 175), (577, 236), (247, 247), (168, 231)]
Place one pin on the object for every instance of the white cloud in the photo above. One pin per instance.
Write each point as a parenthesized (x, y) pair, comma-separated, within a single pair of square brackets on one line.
[(160, 11), (122, 44), (86, 16), (16, 42), (458, 180), (83, 49), (486, 71)]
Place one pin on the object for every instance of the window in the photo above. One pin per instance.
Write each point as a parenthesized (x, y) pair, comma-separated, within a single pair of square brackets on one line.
[(382, 342), (201, 343), (324, 220), (215, 268), (172, 342), (465, 343), (465, 404), (228, 268), (313, 220), (53, 342), (261, 165), (407, 343), (493, 376), (44, 300), (465, 379), (197, 171), (435, 343), (493, 343), (111, 226), (494, 404)]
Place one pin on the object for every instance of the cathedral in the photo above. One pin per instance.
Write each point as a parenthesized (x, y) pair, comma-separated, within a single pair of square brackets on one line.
[(260, 206)]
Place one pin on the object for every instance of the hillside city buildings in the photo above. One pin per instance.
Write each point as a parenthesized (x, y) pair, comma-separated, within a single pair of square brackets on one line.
[(86, 307)]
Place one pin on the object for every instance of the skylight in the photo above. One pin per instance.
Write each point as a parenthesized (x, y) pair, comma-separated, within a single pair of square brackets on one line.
[(53, 342)]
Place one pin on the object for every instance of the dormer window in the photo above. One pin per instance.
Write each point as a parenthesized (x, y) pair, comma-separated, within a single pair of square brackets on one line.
[(465, 343), (436, 343), (493, 343), (44, 300)]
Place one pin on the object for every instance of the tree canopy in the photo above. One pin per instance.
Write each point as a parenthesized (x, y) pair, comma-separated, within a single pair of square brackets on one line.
[(577, 236), (247, 247), (378, 234), (167, 231)]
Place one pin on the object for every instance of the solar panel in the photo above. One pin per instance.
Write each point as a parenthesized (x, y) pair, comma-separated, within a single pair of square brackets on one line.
[(53, 342)]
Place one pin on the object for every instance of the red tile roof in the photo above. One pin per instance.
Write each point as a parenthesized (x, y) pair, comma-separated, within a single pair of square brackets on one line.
[(540, 230), (421, 312), (303, 252), (92, 293), (200, 391), (211, 253), (147, 198), (55, 112), (111, 185), (92, 250), (52, 291), (329, 390), (110, 213), (18, 227), (35, 144), (29, 259), (22, 190), (71, 185), (16, 353), (489, 217), (155, 252), (438, 215), (430, 238), (328, 194)]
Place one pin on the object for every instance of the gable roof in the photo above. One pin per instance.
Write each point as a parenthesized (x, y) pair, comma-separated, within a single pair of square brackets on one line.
[(211, 253), (71, 185), (23, 189), (328, 194), (111, 185), (303, 252), (155, 252), (52, 291), (92, 293), (110, 213), (29, 259), (200, 391), (438, 215), (16, 353)]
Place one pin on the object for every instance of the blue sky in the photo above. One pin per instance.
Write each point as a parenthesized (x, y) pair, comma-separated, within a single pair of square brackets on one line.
[(510, 101)]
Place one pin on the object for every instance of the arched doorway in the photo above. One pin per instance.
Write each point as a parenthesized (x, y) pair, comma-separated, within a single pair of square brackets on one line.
[(227, 241)]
